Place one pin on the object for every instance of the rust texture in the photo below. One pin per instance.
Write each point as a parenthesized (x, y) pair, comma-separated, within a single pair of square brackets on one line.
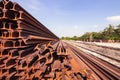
[(29, 51)]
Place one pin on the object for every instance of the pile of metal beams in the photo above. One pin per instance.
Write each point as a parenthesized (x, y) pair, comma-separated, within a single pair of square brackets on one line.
[(21, 38), (28, 50)]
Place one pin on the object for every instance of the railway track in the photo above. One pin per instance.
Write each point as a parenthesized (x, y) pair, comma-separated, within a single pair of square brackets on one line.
[(102, 69), (112, 53), (108, 58)]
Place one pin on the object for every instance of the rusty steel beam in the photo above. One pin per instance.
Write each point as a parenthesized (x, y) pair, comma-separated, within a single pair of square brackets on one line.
[(102, 69), (28, 18), (16, 54), (20, 53)]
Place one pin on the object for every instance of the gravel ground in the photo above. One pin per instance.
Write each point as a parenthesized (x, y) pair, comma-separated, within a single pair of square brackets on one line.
[(95, 54), (114, 45)]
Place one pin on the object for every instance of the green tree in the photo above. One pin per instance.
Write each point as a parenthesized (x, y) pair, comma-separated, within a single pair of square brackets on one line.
[(109, 33)]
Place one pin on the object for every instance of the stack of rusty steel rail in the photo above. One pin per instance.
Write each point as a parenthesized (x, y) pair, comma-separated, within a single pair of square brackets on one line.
[(29, 51)]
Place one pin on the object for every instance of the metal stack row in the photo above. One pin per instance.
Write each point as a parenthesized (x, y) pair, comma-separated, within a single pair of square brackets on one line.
[(29, 51), (20, 34)]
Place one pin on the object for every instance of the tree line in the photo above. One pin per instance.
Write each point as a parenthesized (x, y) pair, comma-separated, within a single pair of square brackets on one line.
[(109, 33)]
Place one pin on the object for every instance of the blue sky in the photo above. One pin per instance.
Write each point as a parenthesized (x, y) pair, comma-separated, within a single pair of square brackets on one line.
[(73, 17)]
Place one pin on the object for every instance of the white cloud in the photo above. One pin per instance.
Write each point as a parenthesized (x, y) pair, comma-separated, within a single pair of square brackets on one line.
[(95, 26), (113, 18), (76, 27)]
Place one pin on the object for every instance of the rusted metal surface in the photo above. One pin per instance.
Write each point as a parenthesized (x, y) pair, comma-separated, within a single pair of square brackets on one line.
[(102, 69), (29, 51)]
